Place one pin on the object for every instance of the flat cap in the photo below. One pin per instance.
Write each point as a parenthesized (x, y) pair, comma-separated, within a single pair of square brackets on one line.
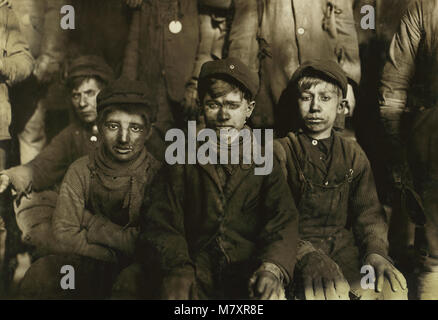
[(233, 68), (126, 92), (327, 68), (90, 66)]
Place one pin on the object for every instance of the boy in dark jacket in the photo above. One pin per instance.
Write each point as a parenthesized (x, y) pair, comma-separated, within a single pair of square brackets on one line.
[(342, 224), (220, 229)]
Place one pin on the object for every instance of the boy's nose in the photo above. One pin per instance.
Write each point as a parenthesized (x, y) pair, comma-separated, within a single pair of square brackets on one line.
[(223, 115), (123, 136)]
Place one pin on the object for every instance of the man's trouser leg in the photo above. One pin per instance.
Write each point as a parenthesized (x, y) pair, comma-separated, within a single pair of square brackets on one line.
[(33, 137)]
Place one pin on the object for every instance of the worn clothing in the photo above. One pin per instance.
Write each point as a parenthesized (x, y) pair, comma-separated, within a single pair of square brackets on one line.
[(289, 33), (332, 183), (112, 194), (409, 112), (16, 63), (215, 229)]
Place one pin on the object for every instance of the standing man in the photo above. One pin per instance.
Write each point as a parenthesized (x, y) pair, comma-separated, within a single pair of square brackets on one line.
[(220, 231), (98, 208), (37, 182), (289, 33), (409, 112)]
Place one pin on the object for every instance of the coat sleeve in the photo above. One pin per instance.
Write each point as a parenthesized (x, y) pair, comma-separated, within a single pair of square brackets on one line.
[(104, 232), (397, 74), (69, 222), (369, 220), (347, 42), (17, 62), (280, 234), (51, 164), (163, 224), (243, 42)]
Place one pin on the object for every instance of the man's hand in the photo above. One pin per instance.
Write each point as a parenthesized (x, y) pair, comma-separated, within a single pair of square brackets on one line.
[(45, 69), (322, 278), (264, 285), (134, 3), (179, 287), (384, 268), (190, 103)]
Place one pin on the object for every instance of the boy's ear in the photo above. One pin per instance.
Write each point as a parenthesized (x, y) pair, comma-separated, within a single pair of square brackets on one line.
[(250, 109), (344, 107)]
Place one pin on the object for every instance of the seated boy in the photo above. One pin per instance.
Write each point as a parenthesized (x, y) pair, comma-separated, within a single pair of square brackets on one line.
[(97, 212), (219, 230), (342, 225), (37, 182)]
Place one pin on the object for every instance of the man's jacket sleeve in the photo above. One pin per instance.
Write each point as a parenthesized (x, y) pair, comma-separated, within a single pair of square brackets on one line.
[(17, 61), (69, 225), (164, 229), (369, 220), (280, 234)]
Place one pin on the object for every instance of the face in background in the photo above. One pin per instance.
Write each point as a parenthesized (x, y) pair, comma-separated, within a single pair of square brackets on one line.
[(124, 134), (227, 112), (318, 107), (84, 100)]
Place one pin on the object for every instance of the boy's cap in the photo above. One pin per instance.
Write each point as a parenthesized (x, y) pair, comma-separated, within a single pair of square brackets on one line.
[(86, 66), (126, 92), (233, 68), (328, 68)]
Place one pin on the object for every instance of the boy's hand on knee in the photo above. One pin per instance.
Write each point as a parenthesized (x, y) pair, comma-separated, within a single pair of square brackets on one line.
[(322, 277), (264, 285), (384, 268), (178, 287)]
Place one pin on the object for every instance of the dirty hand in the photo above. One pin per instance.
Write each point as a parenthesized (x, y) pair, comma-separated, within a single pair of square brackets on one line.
[(384, 268), (178, 287), (134, 3), (190, 103), (322, 278), (264, 285)]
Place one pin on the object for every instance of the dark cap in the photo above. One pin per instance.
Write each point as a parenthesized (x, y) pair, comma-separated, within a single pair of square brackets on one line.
[(126, 92), (230, 67), (90, 66), (325, 68)]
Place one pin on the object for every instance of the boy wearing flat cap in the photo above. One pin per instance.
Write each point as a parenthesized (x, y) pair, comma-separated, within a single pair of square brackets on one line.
[(342, 226), (37, 182), (97, 212), (219, 230)]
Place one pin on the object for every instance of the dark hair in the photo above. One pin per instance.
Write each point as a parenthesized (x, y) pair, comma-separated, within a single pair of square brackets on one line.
[(221, 85), (76, 82)]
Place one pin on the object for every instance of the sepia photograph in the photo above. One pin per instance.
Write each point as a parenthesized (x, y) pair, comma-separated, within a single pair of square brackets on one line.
[(219, 150)]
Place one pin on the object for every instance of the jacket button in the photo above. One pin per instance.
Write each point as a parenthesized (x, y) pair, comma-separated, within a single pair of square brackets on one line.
[(300, 31), (326, 183)]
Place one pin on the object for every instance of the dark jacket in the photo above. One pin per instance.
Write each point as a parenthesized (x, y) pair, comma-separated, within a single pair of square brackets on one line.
[(336, 200), (50, 166), (252, 218)]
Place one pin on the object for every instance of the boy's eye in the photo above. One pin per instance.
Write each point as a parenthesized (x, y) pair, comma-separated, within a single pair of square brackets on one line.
[(212, 105), (136, 129), (233, 106), (306, 98), (112, 126), (90, 93), (325, 98), (76, 96)]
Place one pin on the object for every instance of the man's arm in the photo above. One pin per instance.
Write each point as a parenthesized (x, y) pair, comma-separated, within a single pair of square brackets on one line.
[(69, 222), (17, 63)]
